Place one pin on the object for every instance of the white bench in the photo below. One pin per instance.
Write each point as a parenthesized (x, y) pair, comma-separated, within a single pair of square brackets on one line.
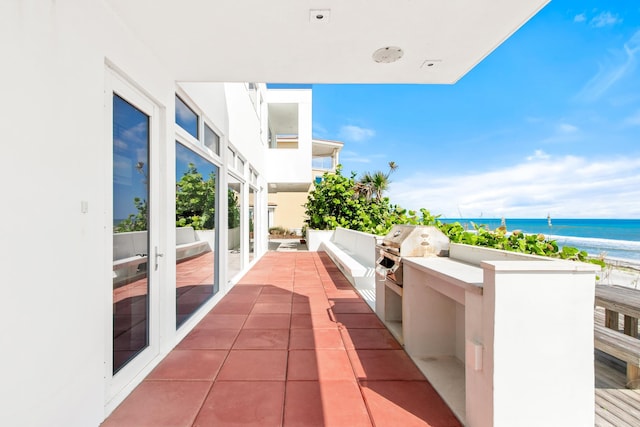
[(354, 253), (188, 245), (129, 256), (130, 252)]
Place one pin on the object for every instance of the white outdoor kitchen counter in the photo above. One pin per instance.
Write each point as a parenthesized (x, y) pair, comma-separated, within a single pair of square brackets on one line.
[(464, 275), (472, 323)]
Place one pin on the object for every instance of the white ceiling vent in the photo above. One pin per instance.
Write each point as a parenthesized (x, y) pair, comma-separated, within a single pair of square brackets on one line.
[(386, 55), (319, 16), (430, 64)]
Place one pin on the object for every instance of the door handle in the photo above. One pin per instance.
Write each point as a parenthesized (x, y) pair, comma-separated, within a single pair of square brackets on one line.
[(157, 255)]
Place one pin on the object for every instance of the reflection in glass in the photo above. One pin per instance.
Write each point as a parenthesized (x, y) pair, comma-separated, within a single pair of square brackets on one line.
[(231, 158), (234, 241), (130, 237), (252, 195), (195, 232), (211, 139), (186, 118)]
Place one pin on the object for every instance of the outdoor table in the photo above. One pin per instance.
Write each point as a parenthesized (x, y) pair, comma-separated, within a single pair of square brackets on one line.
[(619, 299)]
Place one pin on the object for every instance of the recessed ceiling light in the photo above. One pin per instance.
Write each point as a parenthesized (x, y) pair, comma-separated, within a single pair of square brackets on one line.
[(319, 16), (386, 55)]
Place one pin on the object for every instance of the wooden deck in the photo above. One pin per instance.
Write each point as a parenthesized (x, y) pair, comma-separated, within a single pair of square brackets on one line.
[(616, 405)]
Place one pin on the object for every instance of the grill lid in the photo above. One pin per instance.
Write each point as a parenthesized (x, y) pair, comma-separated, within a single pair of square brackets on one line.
[(397, 235), (417, 240)]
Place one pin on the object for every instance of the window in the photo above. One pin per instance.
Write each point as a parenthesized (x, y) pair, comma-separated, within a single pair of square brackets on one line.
[(231, 160), (252, 222), (186, 118), (283, 125), (234, 232), (252, 88), (322, 162), (211, 139), (196, 209)]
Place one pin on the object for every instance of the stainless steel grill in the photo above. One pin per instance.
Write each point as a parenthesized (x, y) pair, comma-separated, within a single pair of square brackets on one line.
[(408, 241)]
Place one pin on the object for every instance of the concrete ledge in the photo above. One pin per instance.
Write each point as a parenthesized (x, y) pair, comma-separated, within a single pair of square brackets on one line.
[(354, 253)]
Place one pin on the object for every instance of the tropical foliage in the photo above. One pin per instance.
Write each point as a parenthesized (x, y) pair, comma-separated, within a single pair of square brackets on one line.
[(515, 241), (339, 201), (375, 184), (234, 209), (195, 205), (135, 222), (196, 200)]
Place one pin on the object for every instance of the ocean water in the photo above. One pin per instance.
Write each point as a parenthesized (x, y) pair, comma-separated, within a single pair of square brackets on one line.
[(613, 238)]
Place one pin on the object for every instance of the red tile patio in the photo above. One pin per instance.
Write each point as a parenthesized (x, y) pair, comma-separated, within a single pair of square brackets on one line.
[(291, 345)]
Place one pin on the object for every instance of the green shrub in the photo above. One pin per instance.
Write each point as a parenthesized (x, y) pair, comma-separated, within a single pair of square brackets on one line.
[(337, 202), (278, 231)]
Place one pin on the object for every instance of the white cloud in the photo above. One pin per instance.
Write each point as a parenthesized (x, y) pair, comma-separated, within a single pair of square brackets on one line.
[(568, 187), (353, 133), (533, 119), (604, 19), (184, 112), (612, 71), (580, 18), (539, 155), (632, 120), (319, 130), (567, 128), (353, 157), (562, 133)]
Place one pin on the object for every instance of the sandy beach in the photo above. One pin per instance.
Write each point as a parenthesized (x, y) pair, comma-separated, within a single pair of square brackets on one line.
[(620, 272)]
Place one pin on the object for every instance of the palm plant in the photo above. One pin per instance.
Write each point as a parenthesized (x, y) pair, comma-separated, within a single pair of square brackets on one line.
[(375, 184)]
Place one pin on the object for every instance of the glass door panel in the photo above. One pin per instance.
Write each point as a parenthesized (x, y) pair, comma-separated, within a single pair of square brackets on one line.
[(252, 223), (196, 208), (131, 136), (234, 246)]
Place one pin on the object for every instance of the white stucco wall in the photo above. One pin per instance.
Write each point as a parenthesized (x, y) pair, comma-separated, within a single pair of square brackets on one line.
[(56, 274), (244, 126), (297, 162), (542, 342), (55, 223)]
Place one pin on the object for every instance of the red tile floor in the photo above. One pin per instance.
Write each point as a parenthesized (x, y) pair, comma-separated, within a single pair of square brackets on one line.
[(291, 345)]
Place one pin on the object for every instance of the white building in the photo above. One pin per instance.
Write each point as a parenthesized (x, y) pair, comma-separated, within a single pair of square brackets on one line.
[(92, 92), (287, 199)]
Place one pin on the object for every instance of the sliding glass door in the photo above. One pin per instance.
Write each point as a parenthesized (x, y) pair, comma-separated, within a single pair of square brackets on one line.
[(196, 217)]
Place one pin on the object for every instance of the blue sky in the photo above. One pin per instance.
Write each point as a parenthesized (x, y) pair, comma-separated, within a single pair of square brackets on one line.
[(548, 123)]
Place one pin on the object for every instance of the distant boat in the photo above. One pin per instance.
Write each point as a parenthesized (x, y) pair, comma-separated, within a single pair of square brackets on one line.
[(549, 220)]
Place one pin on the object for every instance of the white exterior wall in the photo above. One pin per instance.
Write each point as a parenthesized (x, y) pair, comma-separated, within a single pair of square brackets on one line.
[(244, 127), (542, 333), (297, 162), (55, 324)]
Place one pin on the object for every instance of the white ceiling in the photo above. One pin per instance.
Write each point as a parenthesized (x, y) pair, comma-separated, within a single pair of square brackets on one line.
[(281, 41), (323, 147)]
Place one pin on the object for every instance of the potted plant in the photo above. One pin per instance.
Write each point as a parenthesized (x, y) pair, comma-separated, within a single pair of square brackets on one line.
[(303, 240)]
